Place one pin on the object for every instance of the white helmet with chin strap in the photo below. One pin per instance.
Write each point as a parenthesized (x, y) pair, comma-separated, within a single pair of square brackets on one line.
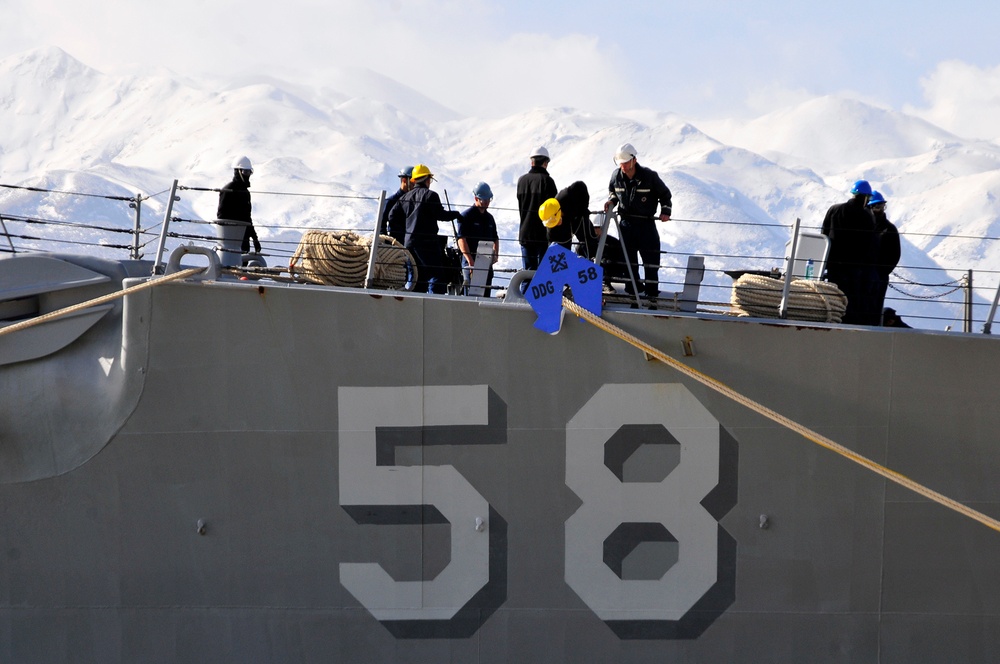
[(243, 164)]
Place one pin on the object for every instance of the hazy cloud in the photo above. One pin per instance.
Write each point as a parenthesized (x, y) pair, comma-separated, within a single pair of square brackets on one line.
[(962, 98)]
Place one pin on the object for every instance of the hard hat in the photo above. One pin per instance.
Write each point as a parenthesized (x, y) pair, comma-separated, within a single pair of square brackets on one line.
[(862, 187), (540, 151), (243, 164), (550, 212), (625, 153), (421, 171), (482, 191), (406, 172), (876, 199)]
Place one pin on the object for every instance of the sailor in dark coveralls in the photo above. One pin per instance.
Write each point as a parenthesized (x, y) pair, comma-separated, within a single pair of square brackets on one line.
[(851, 264), (637, 190), (398, 234), (420, 210), (887, 250), (573, 219), (234, 202), (534, 188), (474, 226)]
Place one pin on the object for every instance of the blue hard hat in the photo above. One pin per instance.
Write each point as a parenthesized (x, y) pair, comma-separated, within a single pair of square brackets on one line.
[(862, 187), (482, 191), (876, 199), (406, 172)]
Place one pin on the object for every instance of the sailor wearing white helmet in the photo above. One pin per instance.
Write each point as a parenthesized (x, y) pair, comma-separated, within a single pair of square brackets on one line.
[(637, 190), (234, 201), (534, 188)]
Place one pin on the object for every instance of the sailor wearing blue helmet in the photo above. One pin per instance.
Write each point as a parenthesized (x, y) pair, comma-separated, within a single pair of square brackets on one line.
[(887, 249), (404, 186), (851, 263)]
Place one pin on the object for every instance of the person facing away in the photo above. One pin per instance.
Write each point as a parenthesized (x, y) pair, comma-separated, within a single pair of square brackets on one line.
[(396, 233), (887, 249), (419, 210), (476, 225), (533, 189), (637, 190), (234, 202), (567, 215), (851, 263)]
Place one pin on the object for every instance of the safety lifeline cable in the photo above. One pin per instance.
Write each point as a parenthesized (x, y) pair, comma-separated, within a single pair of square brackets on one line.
[(804, 431)]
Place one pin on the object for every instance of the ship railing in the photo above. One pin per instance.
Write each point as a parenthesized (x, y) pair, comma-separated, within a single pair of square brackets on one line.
[(928, 296)]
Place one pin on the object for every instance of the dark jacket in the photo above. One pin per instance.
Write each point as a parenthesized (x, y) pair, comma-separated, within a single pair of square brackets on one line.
[(533, 188), (419, 211), (234, 203), (638, 196), (574, 201), (851, 229), (397, 233), (887, 245)]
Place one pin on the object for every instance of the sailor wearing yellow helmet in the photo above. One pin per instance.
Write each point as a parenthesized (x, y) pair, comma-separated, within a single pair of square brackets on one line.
[(419, 210), (567, 215)]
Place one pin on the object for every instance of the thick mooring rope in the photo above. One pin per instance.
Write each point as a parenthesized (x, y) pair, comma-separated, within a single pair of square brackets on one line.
[(340, 258), (52, 315), (812, 300), (807, 433)]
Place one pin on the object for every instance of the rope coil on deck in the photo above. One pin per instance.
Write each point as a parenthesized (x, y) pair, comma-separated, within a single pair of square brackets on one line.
[(802, 430), (811, 300), (340, 258)]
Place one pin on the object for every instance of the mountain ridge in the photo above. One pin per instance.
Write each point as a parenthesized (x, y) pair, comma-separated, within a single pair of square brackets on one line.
[(736, 185)]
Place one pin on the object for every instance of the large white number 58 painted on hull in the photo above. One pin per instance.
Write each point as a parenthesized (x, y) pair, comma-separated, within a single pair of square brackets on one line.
[(620, 512)]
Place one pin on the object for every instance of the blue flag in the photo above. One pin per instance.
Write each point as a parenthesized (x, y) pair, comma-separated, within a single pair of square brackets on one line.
[(560, 268)]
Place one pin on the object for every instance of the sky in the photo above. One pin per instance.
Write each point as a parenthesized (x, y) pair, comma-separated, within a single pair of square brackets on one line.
[(709, 59)]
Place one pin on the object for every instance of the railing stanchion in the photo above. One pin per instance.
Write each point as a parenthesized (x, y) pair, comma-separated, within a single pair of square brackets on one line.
[(967, 327), (375, 240), (789, 268), (7, 235), (158, 262), (136, 205), (993, 311)]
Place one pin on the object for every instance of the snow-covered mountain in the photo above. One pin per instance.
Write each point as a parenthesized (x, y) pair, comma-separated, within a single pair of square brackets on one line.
[(736, 185)]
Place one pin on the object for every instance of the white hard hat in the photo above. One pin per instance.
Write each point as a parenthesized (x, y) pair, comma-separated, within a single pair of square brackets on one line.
[(540, 151), (625, 153), (243, 163)]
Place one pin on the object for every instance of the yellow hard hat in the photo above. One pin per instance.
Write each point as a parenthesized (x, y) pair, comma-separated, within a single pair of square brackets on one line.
[(421, 171), (550, 212)]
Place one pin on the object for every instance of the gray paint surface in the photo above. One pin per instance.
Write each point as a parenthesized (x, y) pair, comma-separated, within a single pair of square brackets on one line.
[(235, 422)]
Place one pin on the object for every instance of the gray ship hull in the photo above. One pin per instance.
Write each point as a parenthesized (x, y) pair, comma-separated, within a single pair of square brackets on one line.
[(260, 472)]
